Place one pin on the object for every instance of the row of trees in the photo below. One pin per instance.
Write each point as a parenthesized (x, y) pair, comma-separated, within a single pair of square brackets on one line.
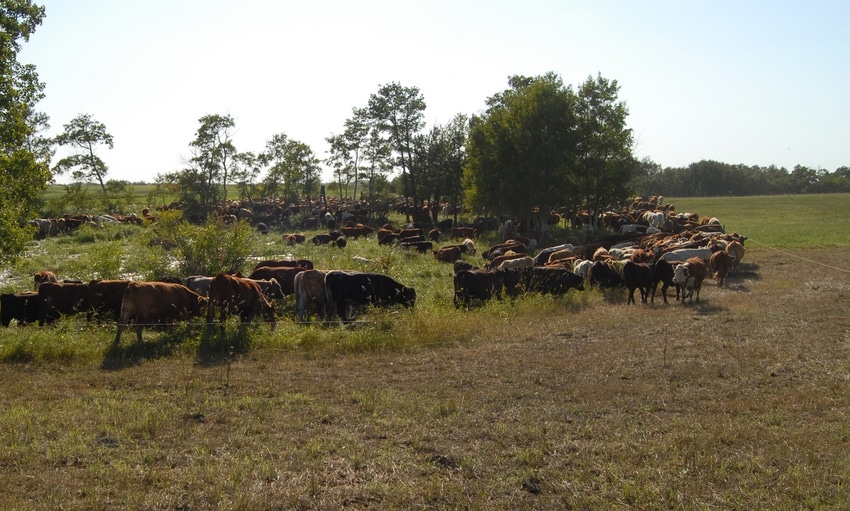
[(711, 178)]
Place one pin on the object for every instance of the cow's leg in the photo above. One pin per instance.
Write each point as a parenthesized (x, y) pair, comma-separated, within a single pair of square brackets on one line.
[(139, 332)]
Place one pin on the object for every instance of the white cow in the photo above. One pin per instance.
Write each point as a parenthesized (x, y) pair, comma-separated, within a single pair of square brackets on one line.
[(683, 254)]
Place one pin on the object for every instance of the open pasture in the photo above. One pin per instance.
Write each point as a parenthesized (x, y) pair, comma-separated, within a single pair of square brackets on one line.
[(582, 402)]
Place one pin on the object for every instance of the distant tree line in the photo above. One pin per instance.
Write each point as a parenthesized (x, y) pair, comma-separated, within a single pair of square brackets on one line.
[(709, 178)]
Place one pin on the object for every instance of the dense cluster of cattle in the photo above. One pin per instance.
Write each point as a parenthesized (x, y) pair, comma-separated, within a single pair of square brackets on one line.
[(144, 303), (651, 248)]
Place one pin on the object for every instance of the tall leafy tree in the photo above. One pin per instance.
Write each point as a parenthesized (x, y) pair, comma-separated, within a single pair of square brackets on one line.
[(214, 152), (398, 112), (439, 157), (346, 153), (604, 160), (522, 150), (293, 167), (84, 135), (24, 152)]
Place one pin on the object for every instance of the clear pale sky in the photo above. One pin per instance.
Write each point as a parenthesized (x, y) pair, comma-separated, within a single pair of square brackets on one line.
[(753, 82)]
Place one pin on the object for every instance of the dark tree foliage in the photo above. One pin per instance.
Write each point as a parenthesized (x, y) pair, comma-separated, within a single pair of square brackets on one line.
[(709, 178)]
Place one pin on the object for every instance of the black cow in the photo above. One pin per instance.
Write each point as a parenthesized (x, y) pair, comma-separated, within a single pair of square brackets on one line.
[(480, 284), (663, 272), (554, 280), (423, 247), (359, 288), (61, 298), (604, 274), (638, 276), (20, 306)]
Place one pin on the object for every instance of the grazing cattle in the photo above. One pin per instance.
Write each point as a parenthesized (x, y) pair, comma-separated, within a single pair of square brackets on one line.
[(551, 280), (413, 232), (663, 273), (581, 267), (542, 257), (498, 260), (638, 276), (420, 246), (500, 248), (285, 276), (448, 254), (355, 288), (604, 274), (199, 284), (22, 307), (43, 276), (148, 303), (558, 255), (463, 232), (357, 231), (479, 284), (689, 276), (516, 264), (285, 263), (388, 239), (736, 250), (270, 287), (462, 265), (683, 254), (470, 246), (310, 294), (61, 298), (105, 297), (236, 295), (720, 263), (321, 239)]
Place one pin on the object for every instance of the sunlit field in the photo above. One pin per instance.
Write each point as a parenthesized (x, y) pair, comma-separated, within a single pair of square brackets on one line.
[(739, 401)]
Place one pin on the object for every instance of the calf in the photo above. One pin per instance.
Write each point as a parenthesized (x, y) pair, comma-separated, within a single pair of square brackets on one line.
[(662, 272), (479, 284), (720, 263), (689, 276), (310, 291), (638, 276), (736, 250), (43, 276)]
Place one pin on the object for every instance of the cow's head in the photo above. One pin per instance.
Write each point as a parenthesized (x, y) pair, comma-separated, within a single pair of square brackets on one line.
[(681, 273)]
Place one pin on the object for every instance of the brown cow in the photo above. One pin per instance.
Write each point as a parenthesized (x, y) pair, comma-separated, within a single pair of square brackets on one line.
[(720, 262), (235, 295), (689, 277), (447, 254), (463, 232), (736, 250), (43, 276), (146, 303), (497, 261), (310, 290), (357, 231), (284, 276)]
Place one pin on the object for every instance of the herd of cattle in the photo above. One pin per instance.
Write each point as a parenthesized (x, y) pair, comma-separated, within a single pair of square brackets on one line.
[(634, 260)]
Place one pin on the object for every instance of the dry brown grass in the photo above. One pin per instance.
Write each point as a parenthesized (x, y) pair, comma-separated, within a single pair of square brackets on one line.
[(739, 402)]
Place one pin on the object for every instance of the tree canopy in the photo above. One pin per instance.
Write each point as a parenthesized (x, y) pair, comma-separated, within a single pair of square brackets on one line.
[(540, 145), (24, 153), (84, 134)]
